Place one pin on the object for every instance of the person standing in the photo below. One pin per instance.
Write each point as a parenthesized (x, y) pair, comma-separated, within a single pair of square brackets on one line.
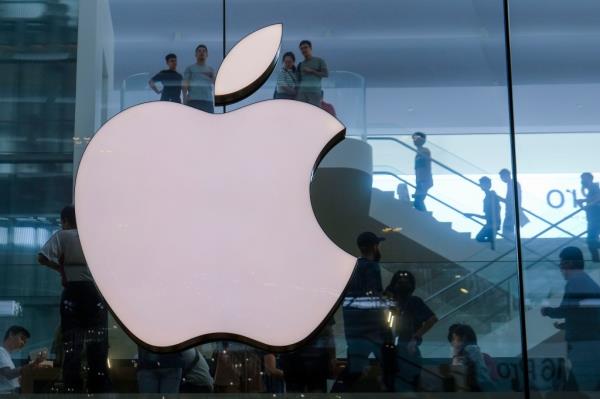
[(423, 176), (591, 204), (580, 309), (83, 312), (198, 82), (287, 80), (170, 80), (310, 73), (412, 319), (363, 312), (15, 339), (196, 376), (508, 227), (159, 372)]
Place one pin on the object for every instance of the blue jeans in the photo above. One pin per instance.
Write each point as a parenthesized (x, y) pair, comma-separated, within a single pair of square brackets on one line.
[(159, 380)]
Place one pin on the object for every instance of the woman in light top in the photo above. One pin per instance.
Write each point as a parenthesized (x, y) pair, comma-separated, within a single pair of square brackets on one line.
[(287, 80)]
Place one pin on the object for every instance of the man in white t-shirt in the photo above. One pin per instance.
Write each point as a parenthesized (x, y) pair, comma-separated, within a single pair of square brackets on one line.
[(83, 312), (198, 82), (14, 339)]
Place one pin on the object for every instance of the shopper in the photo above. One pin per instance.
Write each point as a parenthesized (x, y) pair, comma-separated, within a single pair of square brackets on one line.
[(198, 82), (363, 312), (287, 80), (170, 80), (591, 204), (412, 319), (84, 315), (15, 339), (508, 226), (580, 310), (423, 176), (311, 72)]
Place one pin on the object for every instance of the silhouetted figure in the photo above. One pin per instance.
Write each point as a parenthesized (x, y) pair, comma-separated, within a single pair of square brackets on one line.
[(363, 311), (308, 368), (196, 376), (15, 339), (83, 312), (580, 309), (239, 368), (287, 78), (508, 227), (467, 354), (159, 372), (423, 176), (402, 192), (198, 82), (310, 73), (273, 375), (491, 212), (591, 204), (170, 80), (412, 318)]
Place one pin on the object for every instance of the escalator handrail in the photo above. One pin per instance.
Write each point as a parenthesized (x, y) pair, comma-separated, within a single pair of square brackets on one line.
[(454, 171), (496, 285), (430, 196), (493, 261)]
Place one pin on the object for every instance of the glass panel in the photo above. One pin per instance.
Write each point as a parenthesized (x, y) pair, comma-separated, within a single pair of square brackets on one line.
[(554, 64), (441, 73), (38, 51)]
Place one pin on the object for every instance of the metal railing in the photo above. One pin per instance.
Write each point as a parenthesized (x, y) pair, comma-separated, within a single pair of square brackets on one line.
[(457, 173)]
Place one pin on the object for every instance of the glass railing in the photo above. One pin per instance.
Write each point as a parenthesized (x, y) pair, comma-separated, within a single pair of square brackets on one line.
[(456, 184)]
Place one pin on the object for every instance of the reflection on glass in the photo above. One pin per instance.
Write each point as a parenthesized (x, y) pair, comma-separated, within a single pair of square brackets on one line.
[(435, 308)]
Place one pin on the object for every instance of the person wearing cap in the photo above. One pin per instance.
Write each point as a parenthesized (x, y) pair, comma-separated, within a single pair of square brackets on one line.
[(580, 310), (83, 312), (363, 312)]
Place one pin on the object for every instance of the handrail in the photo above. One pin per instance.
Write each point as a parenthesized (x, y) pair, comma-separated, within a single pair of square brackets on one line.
[(493, 261), (496, 285), (431, 196), (454, 171)]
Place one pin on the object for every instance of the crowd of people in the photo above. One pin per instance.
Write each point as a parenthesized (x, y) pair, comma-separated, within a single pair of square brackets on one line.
[(302, 82), (391, 327)]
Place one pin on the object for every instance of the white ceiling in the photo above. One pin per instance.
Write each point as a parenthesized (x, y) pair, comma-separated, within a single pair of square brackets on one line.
[(403, 43)]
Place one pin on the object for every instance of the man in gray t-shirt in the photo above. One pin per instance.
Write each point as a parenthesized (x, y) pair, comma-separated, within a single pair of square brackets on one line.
[(198, 82), (310, 73)]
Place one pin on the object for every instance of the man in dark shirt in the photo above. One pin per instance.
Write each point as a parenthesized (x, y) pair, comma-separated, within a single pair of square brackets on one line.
[(363, 309), (170, 80), (591, 204), (580, 309), (423, 176), (491, 212)]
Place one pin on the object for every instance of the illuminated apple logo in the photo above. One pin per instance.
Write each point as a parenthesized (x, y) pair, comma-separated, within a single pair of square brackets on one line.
[(199, 226)]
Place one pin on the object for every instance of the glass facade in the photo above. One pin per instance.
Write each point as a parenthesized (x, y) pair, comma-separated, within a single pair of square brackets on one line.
[(486, 210)]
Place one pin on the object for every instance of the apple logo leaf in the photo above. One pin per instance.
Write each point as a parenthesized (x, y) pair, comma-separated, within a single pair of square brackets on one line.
[(248, 65)]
